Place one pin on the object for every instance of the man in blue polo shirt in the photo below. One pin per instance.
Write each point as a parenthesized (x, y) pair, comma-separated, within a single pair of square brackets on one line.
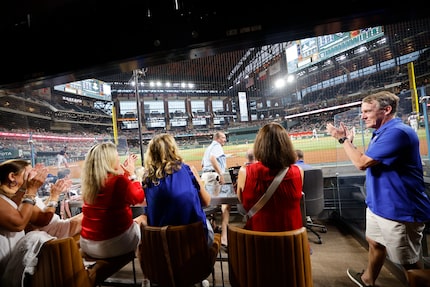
[(397, 204)]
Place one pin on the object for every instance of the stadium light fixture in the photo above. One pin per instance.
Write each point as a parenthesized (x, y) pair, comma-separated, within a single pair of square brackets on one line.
[(280, 83)]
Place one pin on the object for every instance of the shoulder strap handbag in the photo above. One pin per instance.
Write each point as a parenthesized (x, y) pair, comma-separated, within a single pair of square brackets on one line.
[(268, 194)]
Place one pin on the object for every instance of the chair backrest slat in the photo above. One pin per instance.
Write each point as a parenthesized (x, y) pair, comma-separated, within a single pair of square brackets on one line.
[(182, 248), (60, 264), (269, 258)]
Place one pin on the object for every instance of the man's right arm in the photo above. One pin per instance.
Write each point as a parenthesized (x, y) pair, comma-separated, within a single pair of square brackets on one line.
[(217, 169), (360, 160)]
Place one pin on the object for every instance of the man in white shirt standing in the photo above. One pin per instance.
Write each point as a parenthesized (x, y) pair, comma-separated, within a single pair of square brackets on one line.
[(214, 164)]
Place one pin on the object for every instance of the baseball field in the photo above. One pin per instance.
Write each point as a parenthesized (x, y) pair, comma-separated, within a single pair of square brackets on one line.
[(324, 150)]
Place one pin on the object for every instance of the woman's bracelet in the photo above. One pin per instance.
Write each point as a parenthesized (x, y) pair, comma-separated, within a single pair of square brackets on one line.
[(29, 196), (28, 200), (52, 203)]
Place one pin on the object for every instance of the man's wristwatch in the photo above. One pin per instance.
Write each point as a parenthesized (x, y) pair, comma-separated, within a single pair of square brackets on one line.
[(342, 140)]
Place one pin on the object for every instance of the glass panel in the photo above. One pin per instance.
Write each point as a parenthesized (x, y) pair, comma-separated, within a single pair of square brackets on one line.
[(350, 192)]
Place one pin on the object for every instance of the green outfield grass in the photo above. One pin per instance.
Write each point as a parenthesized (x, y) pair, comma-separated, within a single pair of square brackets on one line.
[(325, 149)]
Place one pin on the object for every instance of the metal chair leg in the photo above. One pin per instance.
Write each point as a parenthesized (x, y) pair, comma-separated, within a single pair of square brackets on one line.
[(221, 260)]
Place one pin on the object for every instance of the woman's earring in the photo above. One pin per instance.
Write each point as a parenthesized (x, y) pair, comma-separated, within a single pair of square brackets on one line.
[(13, 183)]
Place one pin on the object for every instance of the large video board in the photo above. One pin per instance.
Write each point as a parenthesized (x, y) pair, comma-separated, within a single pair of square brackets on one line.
[(88, 88), (303, 53)]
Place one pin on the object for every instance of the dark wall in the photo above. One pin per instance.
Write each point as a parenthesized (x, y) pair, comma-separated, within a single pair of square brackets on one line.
[(51, 42)]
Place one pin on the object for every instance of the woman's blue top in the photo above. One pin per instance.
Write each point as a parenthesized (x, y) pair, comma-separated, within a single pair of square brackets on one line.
[(175, 200)]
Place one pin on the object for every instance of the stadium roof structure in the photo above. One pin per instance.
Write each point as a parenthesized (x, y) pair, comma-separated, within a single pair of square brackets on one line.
[(56, 42)]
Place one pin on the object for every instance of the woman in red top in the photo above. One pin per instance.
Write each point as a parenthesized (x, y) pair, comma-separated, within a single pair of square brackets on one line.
[(108, 228), (273, 151)]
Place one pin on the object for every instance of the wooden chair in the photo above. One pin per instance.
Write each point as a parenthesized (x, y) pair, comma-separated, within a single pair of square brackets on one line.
[(419, 277), (269, 258), (60, 263), (176, 256)]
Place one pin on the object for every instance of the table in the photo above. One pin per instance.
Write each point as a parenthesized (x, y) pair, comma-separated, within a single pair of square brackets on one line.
[(222, 194)]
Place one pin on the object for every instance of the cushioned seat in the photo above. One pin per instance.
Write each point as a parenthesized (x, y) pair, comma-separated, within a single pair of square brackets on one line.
[(269, 258), (177, 255)]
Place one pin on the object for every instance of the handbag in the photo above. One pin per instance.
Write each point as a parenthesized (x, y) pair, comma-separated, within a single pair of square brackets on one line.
[(267, 195)]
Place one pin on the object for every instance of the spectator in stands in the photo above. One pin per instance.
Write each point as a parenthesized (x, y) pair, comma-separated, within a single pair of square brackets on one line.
[(250, 157), (214, 164), (16, 174), (64, 221), (108, 190), (64, 209), (175, 194), (397, 204), (64, 173), (44, 189), (273, 151), (301, 160), (62, 158)]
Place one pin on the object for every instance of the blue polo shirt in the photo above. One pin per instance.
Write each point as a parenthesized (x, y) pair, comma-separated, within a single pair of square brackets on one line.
[(395, 187)]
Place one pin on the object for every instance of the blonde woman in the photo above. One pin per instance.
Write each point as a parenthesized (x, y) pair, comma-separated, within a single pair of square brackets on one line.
[(108, 190), (175, 194)]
